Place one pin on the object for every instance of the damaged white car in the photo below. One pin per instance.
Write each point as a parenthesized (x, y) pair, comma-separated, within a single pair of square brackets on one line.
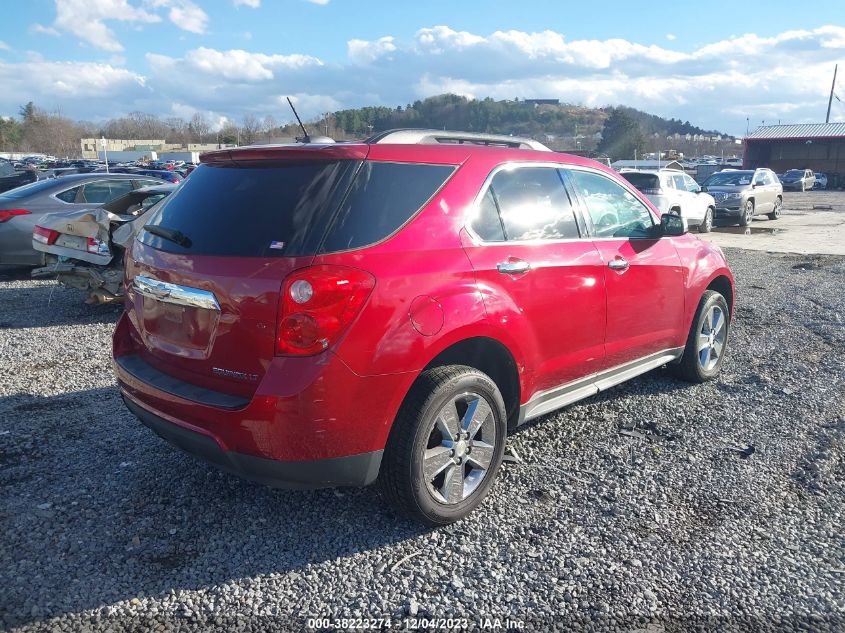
[(85, 248)]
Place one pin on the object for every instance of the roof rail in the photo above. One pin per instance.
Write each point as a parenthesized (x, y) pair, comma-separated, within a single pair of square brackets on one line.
[(409, 136)]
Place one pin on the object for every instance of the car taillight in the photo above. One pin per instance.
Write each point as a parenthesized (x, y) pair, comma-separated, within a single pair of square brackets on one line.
[(317, 304), (45, 236), (652, 192), (98, 247), (8, 214)]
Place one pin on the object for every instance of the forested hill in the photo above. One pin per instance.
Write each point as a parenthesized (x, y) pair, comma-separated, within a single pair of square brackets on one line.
[(505, 117)]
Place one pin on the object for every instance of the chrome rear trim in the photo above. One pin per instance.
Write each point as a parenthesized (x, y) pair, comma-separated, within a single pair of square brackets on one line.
[(174, 293)]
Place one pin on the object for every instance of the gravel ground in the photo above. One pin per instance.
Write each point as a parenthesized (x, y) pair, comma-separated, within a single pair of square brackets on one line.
[(654, 506)]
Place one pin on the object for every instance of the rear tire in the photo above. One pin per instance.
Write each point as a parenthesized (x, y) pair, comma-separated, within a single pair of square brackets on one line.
[(707, 340), (775, 214), (707, 223), (436, 468), (747, 213)]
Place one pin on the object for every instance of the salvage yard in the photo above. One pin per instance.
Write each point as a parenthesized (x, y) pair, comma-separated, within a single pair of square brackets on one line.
[(655, 502)]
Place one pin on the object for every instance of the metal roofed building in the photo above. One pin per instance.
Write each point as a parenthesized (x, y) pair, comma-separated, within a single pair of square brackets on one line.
[(647, 164), (816, 146)]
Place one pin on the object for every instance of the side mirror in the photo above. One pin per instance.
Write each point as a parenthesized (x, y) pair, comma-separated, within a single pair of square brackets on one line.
[(699, 190), (673, 225)]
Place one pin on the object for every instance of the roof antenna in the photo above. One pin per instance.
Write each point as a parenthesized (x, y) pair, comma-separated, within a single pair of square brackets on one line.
[(305, 137)]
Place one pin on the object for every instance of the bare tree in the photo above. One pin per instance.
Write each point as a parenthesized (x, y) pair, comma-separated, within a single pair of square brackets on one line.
[(199, 128), (250, 128), (269, 127)]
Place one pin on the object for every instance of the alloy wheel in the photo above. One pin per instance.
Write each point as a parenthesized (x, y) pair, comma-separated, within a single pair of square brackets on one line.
[(711, 338), (749, 212), (460, 448)]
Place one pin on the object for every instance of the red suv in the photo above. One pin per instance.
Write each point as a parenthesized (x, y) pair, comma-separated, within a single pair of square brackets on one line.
[(333, 315)]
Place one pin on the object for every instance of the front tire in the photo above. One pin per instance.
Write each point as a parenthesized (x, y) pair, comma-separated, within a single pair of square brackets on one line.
[(707, 223), (775, 214), (747, 214), (445, 446), (707, 341)]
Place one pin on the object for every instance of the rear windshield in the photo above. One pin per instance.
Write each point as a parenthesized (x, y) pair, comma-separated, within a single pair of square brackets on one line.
[(290, 209), (252, 211), (642, 181)]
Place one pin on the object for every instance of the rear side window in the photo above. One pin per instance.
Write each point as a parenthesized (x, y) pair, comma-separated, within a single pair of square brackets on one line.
[(101, 191), (533, 204), (69, 195), (247, 211), (383, 197), (486, 222)]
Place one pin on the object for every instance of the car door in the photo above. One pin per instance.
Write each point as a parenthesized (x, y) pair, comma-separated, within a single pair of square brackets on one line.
[(698, 203), (542, 283), (644, 277), (764, 193)]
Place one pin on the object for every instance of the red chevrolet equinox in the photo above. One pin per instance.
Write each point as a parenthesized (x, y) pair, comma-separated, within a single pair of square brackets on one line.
[(389, 310)]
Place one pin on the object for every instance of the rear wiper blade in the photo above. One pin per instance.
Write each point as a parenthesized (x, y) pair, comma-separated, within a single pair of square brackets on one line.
[(172, 235)]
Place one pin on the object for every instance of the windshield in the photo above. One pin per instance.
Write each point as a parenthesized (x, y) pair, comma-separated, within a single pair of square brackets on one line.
[(28, 190), (729, 178), (794, 172)]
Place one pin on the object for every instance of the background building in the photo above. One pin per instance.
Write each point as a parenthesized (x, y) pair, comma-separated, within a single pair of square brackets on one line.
[(816, 146)]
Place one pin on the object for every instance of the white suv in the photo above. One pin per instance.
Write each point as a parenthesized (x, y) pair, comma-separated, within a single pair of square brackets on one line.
[(672, 191)]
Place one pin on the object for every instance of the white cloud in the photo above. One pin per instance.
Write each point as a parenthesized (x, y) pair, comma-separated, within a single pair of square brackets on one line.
[(40, 29), (320, 2), (185, 14), (86, 20), (716, 85), (235, 65), (4, 46), (69, 86), (253, 4), (671, 37), (364, 51)]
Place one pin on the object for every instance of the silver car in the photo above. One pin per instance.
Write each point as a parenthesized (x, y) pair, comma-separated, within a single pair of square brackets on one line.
[(741, 194), (21, 208)]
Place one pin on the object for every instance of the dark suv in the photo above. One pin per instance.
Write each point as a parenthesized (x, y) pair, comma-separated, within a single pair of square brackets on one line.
[(333, 315)]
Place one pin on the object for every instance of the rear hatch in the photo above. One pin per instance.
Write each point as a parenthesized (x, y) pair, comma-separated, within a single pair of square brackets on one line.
[(203, 280)]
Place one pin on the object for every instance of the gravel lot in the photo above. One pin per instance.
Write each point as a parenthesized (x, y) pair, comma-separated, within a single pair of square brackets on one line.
[(642, 509)]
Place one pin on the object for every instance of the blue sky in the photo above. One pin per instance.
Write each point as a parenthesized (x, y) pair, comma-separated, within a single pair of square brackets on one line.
[(712, 63)]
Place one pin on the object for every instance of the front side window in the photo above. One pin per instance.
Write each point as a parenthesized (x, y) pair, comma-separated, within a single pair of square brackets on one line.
[(614, 211), (692, 186), (533, 204)]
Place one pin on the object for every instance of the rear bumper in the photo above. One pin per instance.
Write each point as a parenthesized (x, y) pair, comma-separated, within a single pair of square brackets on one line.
[(308, 416), (352, 470)]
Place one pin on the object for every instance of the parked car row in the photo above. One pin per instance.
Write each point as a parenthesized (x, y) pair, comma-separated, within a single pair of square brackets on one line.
[(22, 208)]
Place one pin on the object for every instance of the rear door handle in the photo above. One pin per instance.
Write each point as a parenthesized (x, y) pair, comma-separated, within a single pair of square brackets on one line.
[(619, 264), (513, 267)]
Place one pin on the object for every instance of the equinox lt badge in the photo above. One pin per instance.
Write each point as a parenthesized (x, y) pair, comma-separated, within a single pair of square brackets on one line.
[(229, 373)]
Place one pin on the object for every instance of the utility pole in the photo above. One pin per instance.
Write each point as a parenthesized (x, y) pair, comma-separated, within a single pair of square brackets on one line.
[(830, 99)]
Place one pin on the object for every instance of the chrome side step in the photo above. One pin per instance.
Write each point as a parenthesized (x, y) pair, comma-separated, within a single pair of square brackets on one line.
[(547, 401)]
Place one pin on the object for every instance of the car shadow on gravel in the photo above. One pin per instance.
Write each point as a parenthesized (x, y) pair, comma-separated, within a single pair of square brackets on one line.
[(102, 510)]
